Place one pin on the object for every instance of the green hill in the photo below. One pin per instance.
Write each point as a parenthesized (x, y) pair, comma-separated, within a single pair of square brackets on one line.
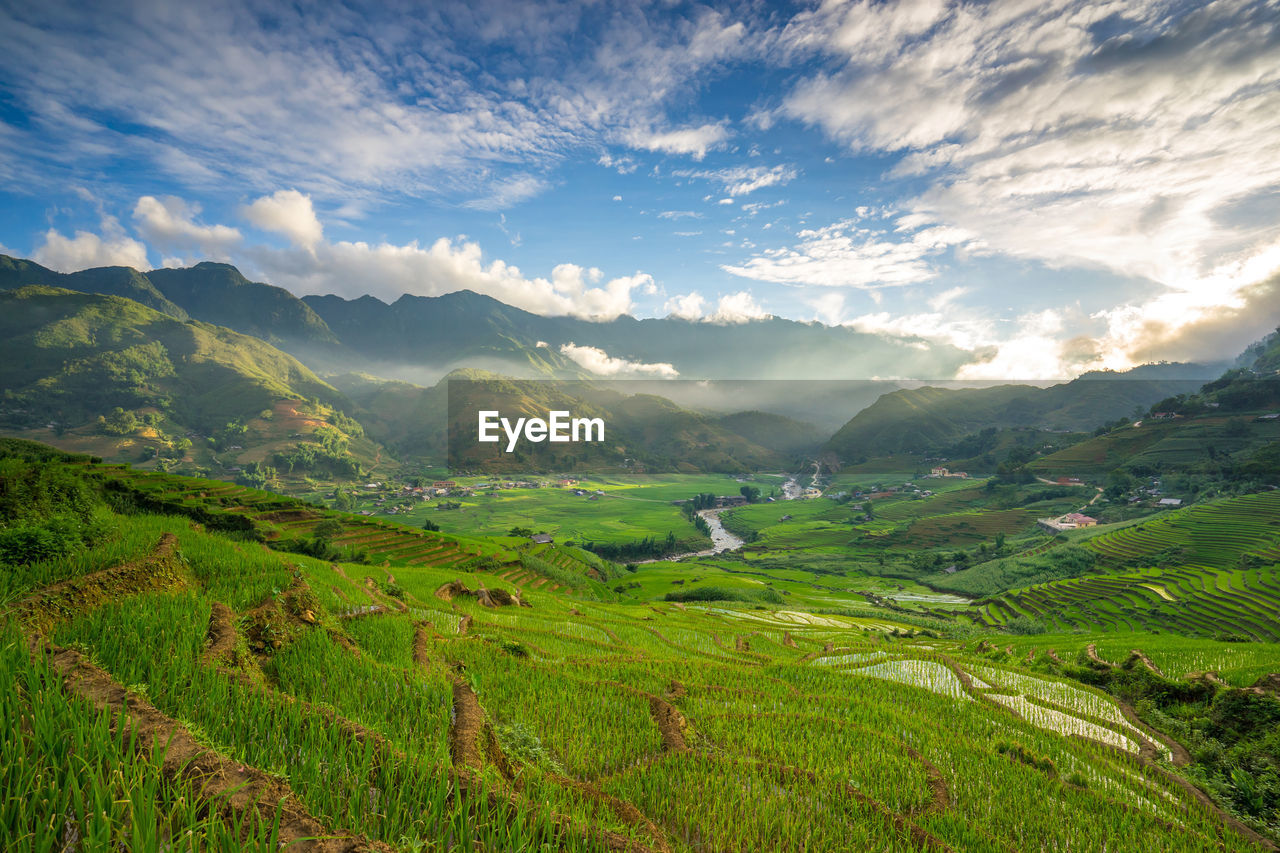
[(777, 432), (920, 420), (108, 375), (644, 432), (485, 694), (212, 292), (108, 281)]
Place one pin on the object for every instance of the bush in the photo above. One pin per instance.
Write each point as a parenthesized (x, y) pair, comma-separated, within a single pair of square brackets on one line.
[(1024, 625), (719, 593)]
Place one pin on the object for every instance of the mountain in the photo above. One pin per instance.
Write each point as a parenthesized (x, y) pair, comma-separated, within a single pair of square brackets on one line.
[(421, 338), (643, 431), (918, 420), (108, 281), (107, 366), (219, 294), (212, 292), (461, 327), (778, 432)]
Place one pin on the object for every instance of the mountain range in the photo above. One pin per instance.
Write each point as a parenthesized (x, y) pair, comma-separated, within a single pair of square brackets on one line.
[(203, 349)]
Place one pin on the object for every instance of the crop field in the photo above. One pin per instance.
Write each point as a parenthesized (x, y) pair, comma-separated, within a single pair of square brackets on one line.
[(626, 509), (179, 684), (1159, 445), (1206, 571)]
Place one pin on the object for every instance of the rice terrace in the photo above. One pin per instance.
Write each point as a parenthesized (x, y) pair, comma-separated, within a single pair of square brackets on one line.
[(643, 426), (219, 667)]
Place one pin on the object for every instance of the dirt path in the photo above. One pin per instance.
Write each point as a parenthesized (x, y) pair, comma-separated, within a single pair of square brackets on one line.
[(1199, 796), (1092, 653), (235, 791), (420, 645), (671, 724), (623, 810), (1181, 757), (161, 569), (939, 794), (468, 722), (222, 634), (376, 593), (920, 837), (1141, 656)]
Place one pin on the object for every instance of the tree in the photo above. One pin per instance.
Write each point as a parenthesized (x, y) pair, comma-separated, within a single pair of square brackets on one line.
[(343, 501), (327, 529), (751, 493), (430, 525)]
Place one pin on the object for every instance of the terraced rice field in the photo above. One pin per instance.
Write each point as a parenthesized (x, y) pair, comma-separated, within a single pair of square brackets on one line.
[(575, 724), (1205, 571)]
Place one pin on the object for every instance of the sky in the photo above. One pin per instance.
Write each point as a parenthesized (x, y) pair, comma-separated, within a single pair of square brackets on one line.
[(1055, 186)]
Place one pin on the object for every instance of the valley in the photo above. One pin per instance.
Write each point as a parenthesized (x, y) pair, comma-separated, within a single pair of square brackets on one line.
[(720, 629)]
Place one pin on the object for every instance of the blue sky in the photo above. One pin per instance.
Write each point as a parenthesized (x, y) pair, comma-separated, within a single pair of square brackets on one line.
[(1055, 186)]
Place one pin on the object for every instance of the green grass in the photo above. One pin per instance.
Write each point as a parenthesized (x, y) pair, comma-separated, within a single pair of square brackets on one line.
[(823, 722)]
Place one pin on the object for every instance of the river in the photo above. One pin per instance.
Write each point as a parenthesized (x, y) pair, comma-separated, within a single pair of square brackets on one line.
[(721, 539)]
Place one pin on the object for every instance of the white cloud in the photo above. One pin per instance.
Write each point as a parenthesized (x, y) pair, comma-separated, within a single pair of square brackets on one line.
[(737, 308), (1077, 134), (342, 103), (947, 297), (86, 249), (623, 165), (601, 363), (290, 213), (687, 306), (679, 214), (847, 254), (508, 192), (388, 270), (1235, 304), (169, 224), (693, 141), (743, 180)]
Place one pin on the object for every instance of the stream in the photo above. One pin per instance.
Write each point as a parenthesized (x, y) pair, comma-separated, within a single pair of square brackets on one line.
[(721, 539)]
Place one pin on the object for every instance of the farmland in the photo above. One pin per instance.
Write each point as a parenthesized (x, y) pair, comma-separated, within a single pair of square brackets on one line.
[(193, 677)]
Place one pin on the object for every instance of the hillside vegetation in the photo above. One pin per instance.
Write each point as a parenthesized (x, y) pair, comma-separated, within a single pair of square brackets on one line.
[(233, 696)]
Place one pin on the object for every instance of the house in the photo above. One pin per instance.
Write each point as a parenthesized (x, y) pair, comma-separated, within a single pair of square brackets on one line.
[(730, 500), (1070, 521), (1169, 502), (785, 518), (1069, 481), (939, 472), (444, 485), (811, 492), (567, 482), (541, 539), (1164, 416)]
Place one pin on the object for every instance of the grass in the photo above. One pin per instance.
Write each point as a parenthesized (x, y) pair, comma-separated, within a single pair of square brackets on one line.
[(825, 721)]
